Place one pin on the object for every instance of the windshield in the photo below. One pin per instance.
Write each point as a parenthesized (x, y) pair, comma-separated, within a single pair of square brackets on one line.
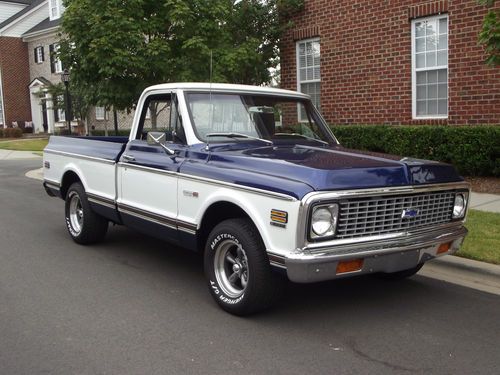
[(220, 117)]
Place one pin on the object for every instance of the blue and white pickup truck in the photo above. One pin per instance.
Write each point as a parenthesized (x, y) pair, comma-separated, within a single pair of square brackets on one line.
[(254, 179)]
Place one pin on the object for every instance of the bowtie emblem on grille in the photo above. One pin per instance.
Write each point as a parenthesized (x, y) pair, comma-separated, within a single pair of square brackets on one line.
[(410, 213)]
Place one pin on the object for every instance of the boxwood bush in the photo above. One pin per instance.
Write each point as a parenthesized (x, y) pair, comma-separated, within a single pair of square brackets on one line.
[(473, 150), (11, 133)]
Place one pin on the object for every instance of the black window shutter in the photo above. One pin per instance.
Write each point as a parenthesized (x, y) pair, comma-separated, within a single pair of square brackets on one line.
[(52, 58), (35, 54), (54, 104), (43, 56)]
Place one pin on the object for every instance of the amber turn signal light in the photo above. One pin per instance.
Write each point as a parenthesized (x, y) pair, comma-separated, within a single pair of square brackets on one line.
[(444, 247), (349, 266)]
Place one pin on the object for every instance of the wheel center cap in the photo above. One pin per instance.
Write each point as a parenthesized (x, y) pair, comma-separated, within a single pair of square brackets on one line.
[(236, 267)]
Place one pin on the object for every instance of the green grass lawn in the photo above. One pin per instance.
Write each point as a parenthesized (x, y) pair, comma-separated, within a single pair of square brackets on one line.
[(483, 240), (24, 145)]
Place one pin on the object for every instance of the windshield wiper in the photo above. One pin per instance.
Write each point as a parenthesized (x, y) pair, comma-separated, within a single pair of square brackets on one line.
[(237, 135), (301, 136)]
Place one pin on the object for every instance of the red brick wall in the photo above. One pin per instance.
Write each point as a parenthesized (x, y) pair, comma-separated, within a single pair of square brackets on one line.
[(366, 60), (14, 64)]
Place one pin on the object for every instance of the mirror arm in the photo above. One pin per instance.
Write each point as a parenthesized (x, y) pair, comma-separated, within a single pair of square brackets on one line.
[(167, 150)]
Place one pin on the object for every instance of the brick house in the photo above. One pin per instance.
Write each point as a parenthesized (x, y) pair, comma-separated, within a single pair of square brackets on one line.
[(16, 17), (29, 35), (392, 62)]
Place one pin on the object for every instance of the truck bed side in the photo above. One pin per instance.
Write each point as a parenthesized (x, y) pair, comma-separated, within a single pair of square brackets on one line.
[(88, 159)]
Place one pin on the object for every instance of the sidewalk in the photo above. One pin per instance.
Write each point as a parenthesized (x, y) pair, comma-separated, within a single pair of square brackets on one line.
[(485, 202), (11, 155)]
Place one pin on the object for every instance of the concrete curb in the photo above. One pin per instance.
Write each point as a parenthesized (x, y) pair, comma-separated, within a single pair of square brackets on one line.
[(468, 265), (464, 272), (36, 174)]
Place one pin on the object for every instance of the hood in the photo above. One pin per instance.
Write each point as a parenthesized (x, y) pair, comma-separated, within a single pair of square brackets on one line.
[(285, 168)]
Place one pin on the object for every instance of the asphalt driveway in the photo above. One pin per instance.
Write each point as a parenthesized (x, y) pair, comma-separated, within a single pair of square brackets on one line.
[(135, 305)]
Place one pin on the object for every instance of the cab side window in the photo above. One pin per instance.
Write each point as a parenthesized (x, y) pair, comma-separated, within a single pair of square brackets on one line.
[(160, 114)]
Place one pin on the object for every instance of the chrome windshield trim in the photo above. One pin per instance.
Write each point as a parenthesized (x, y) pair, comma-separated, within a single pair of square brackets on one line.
[(79, 156), (315, 197)]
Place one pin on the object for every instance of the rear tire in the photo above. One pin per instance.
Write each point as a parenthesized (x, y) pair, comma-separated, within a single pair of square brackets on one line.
[(84, 225), (237, 268), (400, 275)]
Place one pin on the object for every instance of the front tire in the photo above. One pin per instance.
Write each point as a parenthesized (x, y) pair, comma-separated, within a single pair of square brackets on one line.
[(83, 224), (237, 268)]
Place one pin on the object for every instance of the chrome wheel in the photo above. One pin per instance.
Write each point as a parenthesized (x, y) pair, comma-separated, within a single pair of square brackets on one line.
[(231, 268), (75, 212)]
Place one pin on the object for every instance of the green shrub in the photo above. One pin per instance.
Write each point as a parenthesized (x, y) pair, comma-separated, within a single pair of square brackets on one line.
[(12, 133), (474, 150), (1, 132)]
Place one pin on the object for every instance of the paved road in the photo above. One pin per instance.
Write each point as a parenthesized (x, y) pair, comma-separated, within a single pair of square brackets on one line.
[(134, 305)]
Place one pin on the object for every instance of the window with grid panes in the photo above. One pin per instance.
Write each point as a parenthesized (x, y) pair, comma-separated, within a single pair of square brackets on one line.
[(308, 71), (100, 113), (430, 67)]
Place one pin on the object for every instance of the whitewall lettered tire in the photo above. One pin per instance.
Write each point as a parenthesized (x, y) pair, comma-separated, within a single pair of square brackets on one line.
[(237, 268), (84, 225)]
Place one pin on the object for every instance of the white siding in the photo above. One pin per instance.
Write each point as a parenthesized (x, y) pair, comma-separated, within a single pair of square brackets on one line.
[(26, 21), (8, 9)]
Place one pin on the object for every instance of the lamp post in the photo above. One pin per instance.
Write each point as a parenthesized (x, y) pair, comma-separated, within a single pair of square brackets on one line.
[(65, 78)]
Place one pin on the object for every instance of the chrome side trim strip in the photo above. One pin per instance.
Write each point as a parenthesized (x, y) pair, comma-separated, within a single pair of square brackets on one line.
[(210, 181), (110, 203), (171, 223), (276, 260), (79, 156), (53, 184), (148, 169), (145, 216)]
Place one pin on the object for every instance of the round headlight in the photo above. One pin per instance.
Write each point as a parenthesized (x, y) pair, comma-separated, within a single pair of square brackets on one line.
[(459, 206), (321, 221)]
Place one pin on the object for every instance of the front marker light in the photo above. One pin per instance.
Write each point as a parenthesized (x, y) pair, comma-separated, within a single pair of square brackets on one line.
[(459, 206), (324, 221)]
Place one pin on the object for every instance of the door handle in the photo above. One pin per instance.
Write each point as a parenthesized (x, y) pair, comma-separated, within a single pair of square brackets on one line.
[(128, 158)]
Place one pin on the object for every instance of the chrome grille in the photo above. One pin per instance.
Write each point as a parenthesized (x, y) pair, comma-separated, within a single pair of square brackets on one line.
[(360, 217)]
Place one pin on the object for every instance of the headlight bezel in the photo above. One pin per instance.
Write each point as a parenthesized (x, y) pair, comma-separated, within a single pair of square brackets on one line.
[(334, 210), (465, 197)]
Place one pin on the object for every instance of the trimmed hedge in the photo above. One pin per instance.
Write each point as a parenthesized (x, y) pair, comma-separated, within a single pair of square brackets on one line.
[(474, 150), (11, 133)]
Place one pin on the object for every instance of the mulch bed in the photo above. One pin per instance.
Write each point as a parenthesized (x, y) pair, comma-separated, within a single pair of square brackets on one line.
[(490, 185)]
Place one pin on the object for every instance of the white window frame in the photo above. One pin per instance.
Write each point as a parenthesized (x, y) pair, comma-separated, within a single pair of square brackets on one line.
[(58, 62), (61, 113), (437, 67), (100, 108), (297, 61), (39, 55), (2, 108), (54, 9)]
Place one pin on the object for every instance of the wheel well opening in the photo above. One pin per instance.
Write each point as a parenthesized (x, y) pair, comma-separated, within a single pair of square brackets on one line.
[(69, 178), (215, 214)]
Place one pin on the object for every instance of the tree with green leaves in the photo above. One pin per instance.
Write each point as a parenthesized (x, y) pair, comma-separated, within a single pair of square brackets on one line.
[(116, 48), (490, 33)]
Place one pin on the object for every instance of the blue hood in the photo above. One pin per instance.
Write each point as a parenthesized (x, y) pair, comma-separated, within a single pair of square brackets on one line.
[(299, 169)]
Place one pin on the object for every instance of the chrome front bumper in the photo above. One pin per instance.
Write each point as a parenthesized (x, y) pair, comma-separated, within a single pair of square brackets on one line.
[(392, 255)]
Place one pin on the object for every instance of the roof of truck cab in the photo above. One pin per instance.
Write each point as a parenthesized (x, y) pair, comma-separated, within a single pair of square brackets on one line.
[(226, 87)]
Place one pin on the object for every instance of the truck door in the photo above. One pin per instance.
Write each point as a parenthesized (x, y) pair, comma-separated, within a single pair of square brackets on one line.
[(147, 175)]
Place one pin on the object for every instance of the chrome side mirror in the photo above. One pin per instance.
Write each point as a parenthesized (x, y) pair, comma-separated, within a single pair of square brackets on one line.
[(159, 139)]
